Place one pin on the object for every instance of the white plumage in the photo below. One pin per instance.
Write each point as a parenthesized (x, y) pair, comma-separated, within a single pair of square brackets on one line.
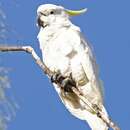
[(64, 49)]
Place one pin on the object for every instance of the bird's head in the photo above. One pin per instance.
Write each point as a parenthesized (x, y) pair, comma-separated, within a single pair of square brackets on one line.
[(49, 14)]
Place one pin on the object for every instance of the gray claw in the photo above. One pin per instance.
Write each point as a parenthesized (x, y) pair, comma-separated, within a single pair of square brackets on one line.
[(67, 84), (57, 78)]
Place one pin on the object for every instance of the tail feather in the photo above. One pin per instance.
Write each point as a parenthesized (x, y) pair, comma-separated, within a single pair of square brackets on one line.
[(95, 122)]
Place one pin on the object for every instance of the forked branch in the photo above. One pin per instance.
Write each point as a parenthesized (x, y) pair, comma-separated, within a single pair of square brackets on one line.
[(94, 108)]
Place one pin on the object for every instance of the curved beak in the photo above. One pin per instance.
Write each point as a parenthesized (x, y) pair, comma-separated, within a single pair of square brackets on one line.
[(40, 23), (75, 12)]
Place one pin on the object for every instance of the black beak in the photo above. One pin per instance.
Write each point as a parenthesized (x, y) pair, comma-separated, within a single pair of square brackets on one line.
[(40, 22)]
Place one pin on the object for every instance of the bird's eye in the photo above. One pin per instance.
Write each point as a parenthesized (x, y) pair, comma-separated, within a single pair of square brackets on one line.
[(52, 12)]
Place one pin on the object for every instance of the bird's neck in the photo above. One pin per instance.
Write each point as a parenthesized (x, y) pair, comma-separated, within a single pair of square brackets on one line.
[(51, 31), (54, 28)]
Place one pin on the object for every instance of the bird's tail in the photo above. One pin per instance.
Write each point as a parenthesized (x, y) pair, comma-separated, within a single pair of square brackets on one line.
[(95, 122)]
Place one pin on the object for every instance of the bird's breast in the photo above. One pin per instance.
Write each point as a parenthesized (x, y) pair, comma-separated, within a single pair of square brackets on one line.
[(55, 59)]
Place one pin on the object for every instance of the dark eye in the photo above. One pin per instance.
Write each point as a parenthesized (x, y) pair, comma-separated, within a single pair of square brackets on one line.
[(52, 12)]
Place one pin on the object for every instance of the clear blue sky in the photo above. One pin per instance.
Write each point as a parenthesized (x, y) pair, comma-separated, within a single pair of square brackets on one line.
[(106, 25)]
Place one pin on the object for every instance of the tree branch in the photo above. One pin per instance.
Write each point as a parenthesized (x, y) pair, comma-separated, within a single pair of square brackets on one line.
[(94, 108), (31, 51)]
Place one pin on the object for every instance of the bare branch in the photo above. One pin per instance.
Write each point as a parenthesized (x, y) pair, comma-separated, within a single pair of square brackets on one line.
[(94, 108), (31, 51)]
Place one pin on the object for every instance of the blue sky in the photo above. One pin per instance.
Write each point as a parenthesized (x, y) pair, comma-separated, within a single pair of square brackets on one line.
[(106, 26)]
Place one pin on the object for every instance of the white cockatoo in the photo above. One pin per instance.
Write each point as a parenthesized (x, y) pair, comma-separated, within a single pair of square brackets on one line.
[(65, 51)]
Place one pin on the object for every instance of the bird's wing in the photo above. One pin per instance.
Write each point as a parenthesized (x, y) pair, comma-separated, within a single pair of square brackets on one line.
[(87, 59), (89, 64)]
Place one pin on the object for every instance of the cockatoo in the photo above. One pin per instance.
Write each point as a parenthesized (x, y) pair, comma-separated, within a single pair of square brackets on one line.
[(65, 51)]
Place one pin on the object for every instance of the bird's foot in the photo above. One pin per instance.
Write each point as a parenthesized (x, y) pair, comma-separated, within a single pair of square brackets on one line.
[(67, 84), (57, 78)]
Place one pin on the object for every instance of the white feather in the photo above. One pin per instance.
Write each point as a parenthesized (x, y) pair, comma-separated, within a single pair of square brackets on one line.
[(65, 50)]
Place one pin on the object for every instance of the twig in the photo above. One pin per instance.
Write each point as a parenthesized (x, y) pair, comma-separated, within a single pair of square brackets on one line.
[(31, 51), (94, 108)]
